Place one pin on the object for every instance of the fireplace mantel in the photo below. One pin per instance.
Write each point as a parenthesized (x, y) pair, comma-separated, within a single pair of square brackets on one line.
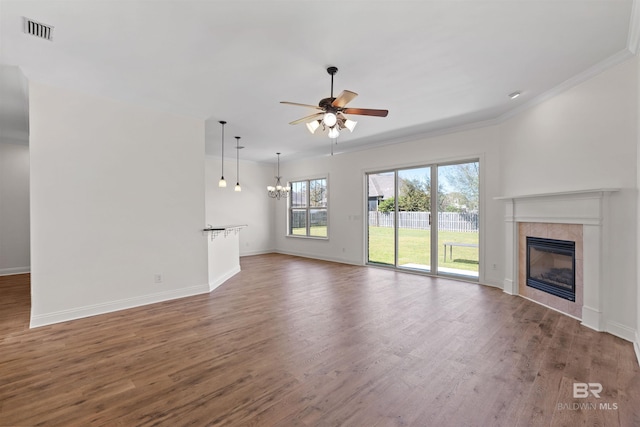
[(559, 194), (586, 207)]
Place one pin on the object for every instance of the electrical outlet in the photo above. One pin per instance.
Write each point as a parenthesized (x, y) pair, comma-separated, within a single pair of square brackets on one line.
[(157, 278)]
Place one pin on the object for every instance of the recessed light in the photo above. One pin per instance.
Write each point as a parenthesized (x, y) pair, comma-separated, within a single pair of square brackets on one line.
[(514, 95)]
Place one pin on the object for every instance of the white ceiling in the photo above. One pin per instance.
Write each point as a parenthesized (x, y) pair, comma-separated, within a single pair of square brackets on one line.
[(432, 64)]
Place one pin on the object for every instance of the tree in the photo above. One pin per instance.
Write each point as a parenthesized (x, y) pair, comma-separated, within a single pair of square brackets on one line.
[(454, 202), (415, 196), (318, 193), (465, 177), (387, 205)]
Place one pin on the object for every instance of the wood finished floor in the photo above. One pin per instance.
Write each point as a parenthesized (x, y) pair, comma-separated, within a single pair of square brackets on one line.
[(297, 342)]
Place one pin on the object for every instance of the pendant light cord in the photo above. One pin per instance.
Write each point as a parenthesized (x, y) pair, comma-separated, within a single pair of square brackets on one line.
[(237, 160), (222, 122)]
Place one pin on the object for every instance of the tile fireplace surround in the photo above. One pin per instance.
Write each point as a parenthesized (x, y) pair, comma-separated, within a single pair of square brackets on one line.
[(568, 232), (576, 216)]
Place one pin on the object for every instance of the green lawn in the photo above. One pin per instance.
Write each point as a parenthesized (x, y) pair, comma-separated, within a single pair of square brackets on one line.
[(414, 248), (316, 231)]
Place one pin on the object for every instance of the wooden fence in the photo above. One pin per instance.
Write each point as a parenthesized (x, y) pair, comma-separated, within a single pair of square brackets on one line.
[(447, 221)]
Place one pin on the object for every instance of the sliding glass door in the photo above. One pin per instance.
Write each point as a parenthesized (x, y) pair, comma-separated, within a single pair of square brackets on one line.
[(381, 235), (458, 219), (410, 229), (413, 218)]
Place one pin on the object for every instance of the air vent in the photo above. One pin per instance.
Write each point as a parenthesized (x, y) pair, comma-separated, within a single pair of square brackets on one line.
[(37, 29)]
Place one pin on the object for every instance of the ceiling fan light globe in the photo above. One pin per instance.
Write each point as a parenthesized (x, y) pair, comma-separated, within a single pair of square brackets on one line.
[(350, 124), (334, 133), (313, 125), (330, 119)]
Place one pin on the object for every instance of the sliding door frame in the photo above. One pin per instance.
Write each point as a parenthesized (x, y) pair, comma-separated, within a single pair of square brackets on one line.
[(434, 246)]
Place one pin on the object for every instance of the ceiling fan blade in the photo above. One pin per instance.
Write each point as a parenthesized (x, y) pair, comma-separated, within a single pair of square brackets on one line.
[(366, 112), (344, 98), (301, 105), (315, 116)]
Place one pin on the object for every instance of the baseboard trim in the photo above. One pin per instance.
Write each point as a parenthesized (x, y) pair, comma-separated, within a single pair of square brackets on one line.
[(507, 287), (111, 306), (620, 330), (636, 346), (226, 276), (320, 258), (252, 253), (14, 270), (492, 284), (592, 318)]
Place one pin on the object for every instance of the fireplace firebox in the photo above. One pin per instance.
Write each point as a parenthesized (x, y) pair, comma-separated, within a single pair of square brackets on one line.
[(551, 266)]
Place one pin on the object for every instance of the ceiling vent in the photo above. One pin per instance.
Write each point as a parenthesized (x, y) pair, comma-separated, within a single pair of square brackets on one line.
[(37, 29)]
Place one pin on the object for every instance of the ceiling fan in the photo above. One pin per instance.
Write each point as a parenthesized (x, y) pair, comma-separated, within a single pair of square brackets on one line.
[(333, 110)]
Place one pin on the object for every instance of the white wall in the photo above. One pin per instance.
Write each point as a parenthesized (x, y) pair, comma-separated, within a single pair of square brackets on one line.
[(251, 206), (637, 340), (14, 208), (586, 138), (14, 171), (116, 198), (583, 138), (347, 202)]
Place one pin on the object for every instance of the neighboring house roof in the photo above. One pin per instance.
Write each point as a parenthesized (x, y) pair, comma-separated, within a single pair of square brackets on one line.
[(381, 186)]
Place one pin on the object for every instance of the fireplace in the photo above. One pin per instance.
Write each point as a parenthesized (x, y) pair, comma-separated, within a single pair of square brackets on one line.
[(551, 266), (577, 216)]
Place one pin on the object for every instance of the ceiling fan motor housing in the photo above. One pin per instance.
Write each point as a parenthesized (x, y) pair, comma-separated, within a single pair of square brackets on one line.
[(325, 104)]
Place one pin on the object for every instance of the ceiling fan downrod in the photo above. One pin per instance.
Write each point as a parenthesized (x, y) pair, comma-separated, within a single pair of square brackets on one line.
[(332, 70)]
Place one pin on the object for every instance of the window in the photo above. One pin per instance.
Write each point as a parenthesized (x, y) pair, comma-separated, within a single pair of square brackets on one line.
[(308, 208)]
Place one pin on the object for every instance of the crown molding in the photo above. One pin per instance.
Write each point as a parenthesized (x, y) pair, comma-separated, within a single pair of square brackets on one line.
[(582, 77), (633, 39), (632, 49)]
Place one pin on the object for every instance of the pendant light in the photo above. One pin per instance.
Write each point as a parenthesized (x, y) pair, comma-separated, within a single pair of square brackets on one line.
[(222, 182), (238, 147)]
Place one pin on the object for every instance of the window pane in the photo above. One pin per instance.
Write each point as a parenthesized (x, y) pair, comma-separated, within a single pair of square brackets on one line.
[(414, 218), (318, 222), (308, 208), (458, 231), (298, 194), (298, 222), (381, 200), (318, 193)]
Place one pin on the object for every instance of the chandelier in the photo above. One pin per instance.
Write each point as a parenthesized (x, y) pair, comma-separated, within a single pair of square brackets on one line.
[(278, 191)]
